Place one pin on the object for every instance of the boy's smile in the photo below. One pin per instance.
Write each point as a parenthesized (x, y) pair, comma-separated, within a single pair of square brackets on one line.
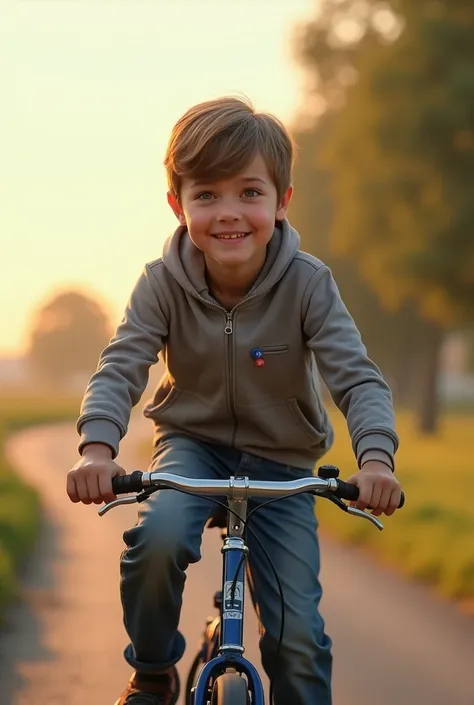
[(229, 235)]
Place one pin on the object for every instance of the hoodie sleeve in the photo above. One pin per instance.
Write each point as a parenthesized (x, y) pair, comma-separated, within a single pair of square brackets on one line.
[(122, 372), (354, 381)]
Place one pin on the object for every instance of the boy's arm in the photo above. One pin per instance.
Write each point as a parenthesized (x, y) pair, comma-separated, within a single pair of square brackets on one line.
[(354, 381), (122, 372)]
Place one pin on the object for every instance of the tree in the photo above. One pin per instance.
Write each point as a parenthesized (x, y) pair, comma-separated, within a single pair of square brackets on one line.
[(401, 153), (388, 334), (68, 333)]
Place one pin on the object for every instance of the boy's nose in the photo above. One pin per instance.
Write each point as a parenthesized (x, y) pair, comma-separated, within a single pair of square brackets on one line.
[(228, 216), (228, 212)]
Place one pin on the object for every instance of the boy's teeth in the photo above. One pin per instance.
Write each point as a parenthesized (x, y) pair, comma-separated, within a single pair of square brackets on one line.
[(231, 237)]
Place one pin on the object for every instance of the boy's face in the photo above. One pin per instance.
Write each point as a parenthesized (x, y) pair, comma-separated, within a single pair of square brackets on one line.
[(232, 220)]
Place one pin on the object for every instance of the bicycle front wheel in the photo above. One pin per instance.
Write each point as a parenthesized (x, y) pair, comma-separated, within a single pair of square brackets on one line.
[(230, 689)]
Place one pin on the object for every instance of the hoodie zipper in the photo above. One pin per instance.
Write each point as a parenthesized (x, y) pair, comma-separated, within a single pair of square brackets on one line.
[(228, 330)]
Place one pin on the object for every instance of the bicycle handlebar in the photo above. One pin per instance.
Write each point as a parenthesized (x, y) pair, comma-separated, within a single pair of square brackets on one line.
[(236, 488), (325, 485)]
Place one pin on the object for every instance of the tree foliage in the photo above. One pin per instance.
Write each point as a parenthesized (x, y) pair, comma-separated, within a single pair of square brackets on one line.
[(401, 151), (392, 88), (390, 336), (67, 336)]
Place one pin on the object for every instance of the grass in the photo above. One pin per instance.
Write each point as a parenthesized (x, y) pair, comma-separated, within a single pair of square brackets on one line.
[(20, 504), (431, 538)]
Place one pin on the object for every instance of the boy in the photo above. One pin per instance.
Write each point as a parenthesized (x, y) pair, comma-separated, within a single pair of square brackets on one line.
[(240, 316)]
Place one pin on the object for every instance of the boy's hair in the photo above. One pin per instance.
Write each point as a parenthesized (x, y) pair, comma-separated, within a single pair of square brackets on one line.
[(218, 138)]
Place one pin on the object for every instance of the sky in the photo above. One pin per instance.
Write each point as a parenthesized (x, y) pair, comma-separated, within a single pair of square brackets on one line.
[(89, 91)]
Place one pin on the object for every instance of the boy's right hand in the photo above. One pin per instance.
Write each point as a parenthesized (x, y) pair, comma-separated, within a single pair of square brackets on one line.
[(90, 480)]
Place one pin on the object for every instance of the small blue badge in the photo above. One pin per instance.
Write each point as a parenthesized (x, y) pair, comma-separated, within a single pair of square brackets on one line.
[(256, 353)]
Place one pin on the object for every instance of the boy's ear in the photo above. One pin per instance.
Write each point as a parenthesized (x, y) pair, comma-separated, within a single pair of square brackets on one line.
[(176, 207), (284, 203)]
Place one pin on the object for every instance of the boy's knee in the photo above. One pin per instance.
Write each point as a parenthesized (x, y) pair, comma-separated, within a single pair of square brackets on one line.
[(160, 540), (304, 637)]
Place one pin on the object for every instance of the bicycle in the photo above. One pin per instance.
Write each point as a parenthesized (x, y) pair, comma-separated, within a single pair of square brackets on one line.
[(220, 675)]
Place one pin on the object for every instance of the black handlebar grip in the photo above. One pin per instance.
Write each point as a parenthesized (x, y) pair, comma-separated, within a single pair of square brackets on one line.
[(123, 484), (351, 493), (347, 491)]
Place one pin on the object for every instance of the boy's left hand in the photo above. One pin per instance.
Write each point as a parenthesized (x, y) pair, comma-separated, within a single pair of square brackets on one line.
[(378, 488)]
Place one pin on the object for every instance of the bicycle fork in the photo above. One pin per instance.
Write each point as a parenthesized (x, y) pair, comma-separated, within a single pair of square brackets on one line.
[(231, 647)]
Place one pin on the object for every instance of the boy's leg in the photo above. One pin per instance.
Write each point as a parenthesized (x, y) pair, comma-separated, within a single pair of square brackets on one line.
[(160, 547), (287, 530)]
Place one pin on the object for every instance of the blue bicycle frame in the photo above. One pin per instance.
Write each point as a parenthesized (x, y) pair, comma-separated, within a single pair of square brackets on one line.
[(231, 647)]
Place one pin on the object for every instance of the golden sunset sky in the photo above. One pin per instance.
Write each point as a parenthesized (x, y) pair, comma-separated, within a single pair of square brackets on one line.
[(89, 92)]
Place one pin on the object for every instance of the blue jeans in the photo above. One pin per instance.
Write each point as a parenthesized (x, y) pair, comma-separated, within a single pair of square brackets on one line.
[(167, 538)]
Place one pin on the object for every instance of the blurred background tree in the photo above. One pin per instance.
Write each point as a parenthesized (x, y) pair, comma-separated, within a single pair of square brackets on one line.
[(67, 336), (385, 176)]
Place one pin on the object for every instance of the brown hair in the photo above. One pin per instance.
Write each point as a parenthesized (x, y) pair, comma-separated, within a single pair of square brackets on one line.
[(218, 138)]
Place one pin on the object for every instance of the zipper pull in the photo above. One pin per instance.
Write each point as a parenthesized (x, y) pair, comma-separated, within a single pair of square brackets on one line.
[(228, 330)]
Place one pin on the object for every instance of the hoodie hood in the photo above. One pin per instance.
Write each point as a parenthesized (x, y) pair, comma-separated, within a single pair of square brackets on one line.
[(185, 262)]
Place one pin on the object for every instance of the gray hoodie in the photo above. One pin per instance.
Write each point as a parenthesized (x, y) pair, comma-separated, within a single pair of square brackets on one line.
[(216, 387)]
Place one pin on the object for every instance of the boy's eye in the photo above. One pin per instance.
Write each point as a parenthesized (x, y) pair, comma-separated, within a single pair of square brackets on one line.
[(204, 196), (251, 193)]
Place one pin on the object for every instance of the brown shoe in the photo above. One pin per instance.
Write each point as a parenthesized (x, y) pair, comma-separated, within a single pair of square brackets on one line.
[(157, 689)]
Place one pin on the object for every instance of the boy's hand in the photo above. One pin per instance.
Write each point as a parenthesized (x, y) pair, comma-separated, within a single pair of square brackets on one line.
[(378, 488), (90, 480)]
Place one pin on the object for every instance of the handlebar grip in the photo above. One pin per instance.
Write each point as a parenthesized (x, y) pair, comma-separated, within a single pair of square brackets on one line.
[(123, 484), (351, 493)]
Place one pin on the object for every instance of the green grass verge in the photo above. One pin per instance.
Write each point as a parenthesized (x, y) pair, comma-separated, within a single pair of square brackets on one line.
[(430, 539), (19, 503)]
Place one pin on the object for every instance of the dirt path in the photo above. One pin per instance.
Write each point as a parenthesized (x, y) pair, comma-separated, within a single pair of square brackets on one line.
[(64, 640)]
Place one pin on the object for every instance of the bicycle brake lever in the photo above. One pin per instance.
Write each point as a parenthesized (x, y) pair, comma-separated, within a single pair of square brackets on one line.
[(144, 494), (369, 517), (332, 498), (351, 510), (116, 502)]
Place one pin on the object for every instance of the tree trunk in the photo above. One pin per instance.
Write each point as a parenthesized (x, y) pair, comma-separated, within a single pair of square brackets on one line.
[(402, 376), (427, 406), (402, 357)]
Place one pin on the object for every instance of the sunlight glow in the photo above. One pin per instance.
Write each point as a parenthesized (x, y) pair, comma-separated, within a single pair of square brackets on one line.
[(91, 91)]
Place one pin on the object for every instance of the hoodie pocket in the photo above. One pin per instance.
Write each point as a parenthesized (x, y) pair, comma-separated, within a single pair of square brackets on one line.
[(160, 404), (279, 426), (311, 428), (274, 349)]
